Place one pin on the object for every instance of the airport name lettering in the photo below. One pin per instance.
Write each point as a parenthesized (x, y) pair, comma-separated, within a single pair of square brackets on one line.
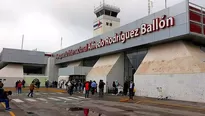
[(157, 25)]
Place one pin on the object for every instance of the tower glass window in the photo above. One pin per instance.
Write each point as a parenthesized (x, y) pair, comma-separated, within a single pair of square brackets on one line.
[(114, 14), (107, 12)]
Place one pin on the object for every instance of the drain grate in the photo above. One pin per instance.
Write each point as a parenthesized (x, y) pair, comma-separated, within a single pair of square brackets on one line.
[(129, 110)]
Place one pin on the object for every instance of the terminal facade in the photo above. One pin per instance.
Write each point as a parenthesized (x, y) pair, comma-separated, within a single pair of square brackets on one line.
[(162, 52)]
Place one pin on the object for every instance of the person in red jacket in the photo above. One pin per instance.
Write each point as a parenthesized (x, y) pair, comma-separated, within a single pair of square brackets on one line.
[(87, 87), (19, 87)]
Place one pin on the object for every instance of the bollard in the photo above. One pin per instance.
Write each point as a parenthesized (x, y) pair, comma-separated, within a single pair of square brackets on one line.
[(86, 112)]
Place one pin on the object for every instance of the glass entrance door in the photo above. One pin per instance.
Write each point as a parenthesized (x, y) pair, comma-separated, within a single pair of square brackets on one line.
[(77, 78)]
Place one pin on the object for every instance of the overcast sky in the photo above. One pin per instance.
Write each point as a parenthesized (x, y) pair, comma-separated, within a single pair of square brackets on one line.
[(44, 22)]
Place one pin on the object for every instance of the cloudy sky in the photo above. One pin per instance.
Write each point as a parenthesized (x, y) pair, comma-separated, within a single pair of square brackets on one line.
[(44, 22)]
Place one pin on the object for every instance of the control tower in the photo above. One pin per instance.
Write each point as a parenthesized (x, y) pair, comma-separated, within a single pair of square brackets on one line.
[(106, 19)]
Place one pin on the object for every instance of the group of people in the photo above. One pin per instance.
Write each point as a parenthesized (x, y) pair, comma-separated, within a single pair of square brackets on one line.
[(92, 87), (74, 86), (128, 87)]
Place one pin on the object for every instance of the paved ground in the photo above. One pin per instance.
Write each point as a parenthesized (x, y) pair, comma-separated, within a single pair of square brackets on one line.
[(49, 103)]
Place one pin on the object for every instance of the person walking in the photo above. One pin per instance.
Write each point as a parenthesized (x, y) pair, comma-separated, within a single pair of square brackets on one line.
[(19, 86), (31, 90), (131, 90), (114, 87), (125, 88), (101, 88), (93, 85), (87, 88)]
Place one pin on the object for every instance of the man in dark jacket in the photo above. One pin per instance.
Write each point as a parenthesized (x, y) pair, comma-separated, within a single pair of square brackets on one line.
[(101, 88), (4, 97), (131, 89)]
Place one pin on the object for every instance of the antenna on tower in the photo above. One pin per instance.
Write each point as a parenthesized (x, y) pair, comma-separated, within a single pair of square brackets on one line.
[(165, 3), (61, 42)]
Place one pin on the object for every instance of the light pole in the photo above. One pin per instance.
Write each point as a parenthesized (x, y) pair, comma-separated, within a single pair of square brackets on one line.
[(22, 42), (165, 3)]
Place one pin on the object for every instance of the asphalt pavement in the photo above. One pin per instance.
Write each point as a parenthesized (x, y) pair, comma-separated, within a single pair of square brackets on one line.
[(56, 102)]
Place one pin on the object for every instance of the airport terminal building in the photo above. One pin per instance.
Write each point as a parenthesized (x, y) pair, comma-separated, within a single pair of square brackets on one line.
[(162, 51)]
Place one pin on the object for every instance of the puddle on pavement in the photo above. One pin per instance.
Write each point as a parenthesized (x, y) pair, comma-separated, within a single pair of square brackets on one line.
[(76, 109), (129, 110), (29, 112)]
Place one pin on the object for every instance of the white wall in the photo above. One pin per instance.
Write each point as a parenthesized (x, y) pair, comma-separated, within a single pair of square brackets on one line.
[(117, 72), (12, 70), (186, 87), (52, 69), (12, 73), (105, 28), (177, 67)]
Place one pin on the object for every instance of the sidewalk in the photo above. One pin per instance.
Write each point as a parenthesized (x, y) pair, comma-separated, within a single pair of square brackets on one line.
[(173, 104)]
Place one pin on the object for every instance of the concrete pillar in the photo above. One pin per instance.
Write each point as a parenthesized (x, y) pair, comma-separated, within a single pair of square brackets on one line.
[(108, 68)]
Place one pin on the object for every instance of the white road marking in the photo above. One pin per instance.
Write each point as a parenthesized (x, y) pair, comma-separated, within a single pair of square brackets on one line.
[(52, 93), (44, 93), (54, 99), (42, 99), (37, 93), (29, 99), (18, 100), (74, 98), (81, 97), (64, 98), (59, 93)]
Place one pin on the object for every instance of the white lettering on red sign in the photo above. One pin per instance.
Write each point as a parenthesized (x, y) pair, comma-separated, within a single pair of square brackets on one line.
[(157, 24)]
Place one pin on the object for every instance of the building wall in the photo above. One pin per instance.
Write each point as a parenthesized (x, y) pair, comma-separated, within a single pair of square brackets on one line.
[(105, 28), (74, 70), (179, 12), (62, 77), (23, 56), (177, 67), (29, 78), (52, 69), (12, 73), (107, 69), (117, 72)]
